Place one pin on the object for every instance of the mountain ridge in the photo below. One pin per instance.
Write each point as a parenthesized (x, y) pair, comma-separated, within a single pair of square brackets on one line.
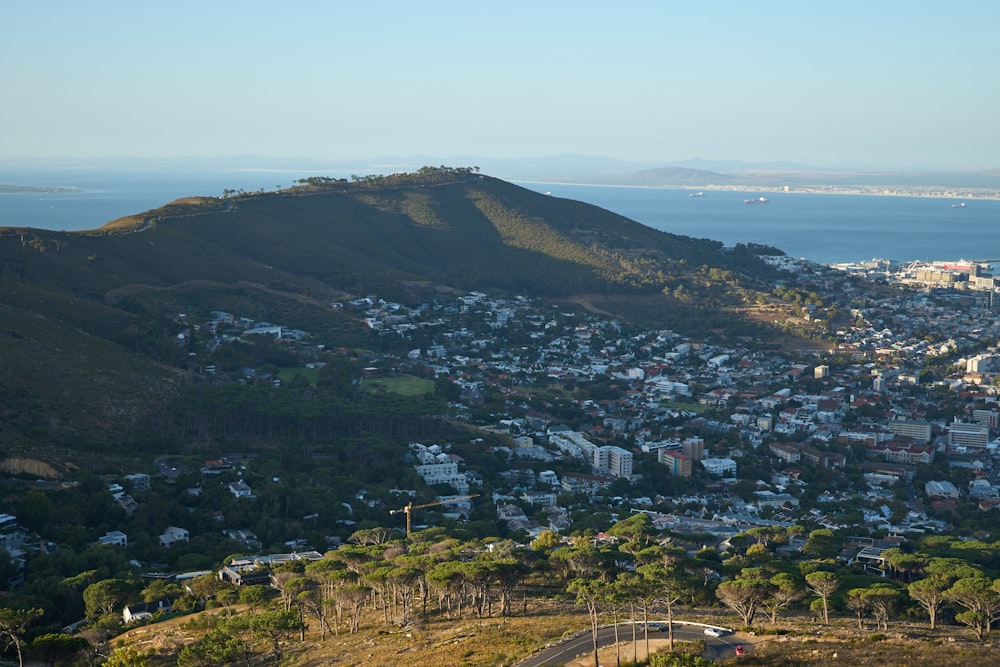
[(286, 256)]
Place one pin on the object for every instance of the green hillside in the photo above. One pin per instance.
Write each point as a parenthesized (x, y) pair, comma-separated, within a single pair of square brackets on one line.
[(90, 318)]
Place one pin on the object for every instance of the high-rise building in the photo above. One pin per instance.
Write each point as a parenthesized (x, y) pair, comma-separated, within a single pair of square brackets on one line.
[(694, 448), (968, 435), (917, 429), (678, 463), (612, 460)]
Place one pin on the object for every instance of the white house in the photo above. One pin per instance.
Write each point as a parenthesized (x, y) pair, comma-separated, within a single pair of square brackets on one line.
[(139, 481), (548, 477), (115, 538), (144, 610), (240, 489), (172, 535)]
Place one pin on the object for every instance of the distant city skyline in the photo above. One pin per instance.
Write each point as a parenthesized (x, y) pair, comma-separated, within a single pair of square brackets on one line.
[(849, 85)]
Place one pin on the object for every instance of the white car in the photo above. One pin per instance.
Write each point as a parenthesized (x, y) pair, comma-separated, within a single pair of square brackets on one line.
[(713, 632)]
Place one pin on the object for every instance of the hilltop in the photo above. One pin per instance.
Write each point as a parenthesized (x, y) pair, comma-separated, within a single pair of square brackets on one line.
[(90, 318)]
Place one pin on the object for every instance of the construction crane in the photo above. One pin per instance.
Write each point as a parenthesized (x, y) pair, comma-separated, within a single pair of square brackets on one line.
[(408, 510)]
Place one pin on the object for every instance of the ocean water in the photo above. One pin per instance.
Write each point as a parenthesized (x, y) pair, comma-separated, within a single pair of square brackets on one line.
[(824, 228), (105, 195)]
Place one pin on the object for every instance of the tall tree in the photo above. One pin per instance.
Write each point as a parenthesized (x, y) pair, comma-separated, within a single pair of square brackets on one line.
[(859, 603), (785, 590), (637, 531), (745, 593), (670, 584), (979, 596), (907, 565), (882, 599), (931, 594), (823, 585), (590, 593), (104, 597), (822, 544), (13, 623)]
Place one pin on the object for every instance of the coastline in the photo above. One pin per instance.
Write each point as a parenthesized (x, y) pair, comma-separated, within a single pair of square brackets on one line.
[(913, 191), (37, 189)]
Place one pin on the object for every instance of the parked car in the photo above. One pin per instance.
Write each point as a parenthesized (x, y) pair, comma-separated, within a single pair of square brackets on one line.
[(713, 632)]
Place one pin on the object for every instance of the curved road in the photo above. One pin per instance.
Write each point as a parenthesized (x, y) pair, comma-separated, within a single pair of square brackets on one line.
[(564, 652)]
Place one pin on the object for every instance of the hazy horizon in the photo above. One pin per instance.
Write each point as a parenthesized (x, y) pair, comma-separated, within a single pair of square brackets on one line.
[(848, 86), (284, 163)]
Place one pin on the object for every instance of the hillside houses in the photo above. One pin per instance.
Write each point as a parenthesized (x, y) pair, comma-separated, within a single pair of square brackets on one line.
[(636, 396)]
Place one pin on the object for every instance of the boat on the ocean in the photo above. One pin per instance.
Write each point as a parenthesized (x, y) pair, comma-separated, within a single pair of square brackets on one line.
[(959, 205), (697, 194), (759, 200)]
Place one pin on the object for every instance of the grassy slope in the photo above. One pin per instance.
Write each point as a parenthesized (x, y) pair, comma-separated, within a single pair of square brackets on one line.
[(494, 641), (284, 257), (58, 380)]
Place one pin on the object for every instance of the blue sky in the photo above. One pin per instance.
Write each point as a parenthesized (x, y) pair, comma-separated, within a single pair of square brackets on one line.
[(841, 84)]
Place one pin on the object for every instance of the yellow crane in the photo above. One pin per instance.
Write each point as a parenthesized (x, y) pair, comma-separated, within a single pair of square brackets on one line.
[(408, 509)]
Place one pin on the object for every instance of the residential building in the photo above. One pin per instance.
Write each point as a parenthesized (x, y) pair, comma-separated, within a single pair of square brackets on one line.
[(443, 473), (968, 435), (573, 444), (901, 454), (576, 482), (539, 499), (144, 610), (548, 477), (716, 466), (612, 460), (786, 452), (678, 463), (919, 430), (987, 418), (140, 482), (822, 458), (694, 448), (172, 535), (114, 538), (240, 489), (771, 499), (941, 489)]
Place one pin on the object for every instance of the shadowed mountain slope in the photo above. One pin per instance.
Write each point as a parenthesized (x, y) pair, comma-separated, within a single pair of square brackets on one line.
[(98, 308)]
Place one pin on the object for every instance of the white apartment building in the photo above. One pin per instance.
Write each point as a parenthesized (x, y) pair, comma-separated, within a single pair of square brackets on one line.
[(443, 473), (968, 435), (612, 460), (919, 430), (573, 444), (715, 466), (981, 363)]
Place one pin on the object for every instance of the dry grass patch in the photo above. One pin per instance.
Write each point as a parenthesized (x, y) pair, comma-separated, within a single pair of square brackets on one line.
[(429, 643)]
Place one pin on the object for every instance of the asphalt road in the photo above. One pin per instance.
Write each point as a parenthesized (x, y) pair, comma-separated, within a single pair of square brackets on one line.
[(560, 654)]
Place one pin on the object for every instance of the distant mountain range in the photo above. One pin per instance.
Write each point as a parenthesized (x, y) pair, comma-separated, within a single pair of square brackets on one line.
[(584, 169)]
